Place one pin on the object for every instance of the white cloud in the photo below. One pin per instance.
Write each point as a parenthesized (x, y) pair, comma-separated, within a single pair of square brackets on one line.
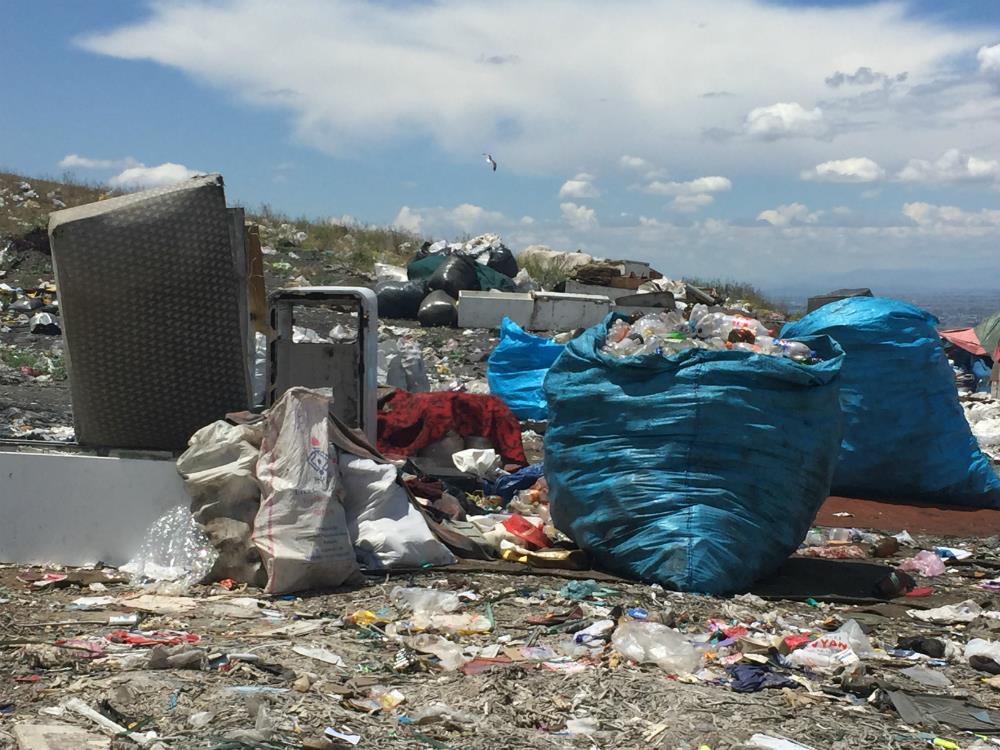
[(581, 186), (578, 217), (634, 162), (785, 215), (438, 221), (409, 220), (952, 166), (686, 204), (75, 161), (930, 215), (713, 184), (527, 220), (854, 169), (142, 176), (989, 62), (785, 120), (375, 75)]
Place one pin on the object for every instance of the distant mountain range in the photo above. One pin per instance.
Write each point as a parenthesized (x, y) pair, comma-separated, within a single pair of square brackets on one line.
[(897, 280)]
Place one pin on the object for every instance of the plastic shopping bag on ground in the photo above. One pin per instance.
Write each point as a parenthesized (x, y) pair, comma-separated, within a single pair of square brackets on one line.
[(301, 530), (386, 529)]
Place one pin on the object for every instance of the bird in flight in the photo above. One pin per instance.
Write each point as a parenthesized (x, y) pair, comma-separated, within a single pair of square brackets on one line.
[(491, 161)]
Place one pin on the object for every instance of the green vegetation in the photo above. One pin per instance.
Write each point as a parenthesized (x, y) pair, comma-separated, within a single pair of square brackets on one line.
[(16, 358), (546, 273), (357, 246)]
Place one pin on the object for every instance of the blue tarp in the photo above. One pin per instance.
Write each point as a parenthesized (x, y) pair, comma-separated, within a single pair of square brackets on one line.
[(905, 436), (701, 471), (517, 367)]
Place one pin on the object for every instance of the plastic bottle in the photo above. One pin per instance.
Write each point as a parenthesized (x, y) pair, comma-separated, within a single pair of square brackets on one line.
[(651, 642), (794, 350), (618, 331)]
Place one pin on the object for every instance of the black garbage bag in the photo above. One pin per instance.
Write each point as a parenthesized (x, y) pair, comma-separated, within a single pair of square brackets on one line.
[(400, 299), (438, 309), (503, 260), (454, 275)]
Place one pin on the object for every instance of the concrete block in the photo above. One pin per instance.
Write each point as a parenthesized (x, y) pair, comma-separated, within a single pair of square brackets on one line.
[(488, 309), (564, 312), (575, 287), (74, 509)]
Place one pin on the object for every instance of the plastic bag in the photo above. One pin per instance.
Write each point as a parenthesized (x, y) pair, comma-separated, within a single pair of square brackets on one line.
[(905, 435), (517, 367), (437, 309), (701, 471), (825, 654), (400, 299), (925, 563), (401, 365), (453, 276), (385, 528), (300, 529), (174, 549), (651, 642)]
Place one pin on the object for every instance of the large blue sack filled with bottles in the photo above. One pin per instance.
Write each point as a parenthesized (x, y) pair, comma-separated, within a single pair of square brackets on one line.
[(905, 436), (700, 471), (517, 367)]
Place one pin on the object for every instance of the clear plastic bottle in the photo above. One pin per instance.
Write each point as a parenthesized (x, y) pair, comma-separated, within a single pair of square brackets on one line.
[(795, 350)]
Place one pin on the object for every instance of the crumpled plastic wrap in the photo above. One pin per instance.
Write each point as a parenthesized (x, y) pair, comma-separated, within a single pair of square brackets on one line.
[(174, 549)]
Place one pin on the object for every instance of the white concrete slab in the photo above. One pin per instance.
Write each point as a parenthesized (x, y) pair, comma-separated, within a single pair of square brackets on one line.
[(565, 312), (75, 509), (488, 309)]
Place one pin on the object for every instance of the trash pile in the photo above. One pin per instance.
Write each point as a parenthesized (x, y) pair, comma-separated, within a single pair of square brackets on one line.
[(670, 332), (428, 288), (37, 308), (983, 415), (487, 658)]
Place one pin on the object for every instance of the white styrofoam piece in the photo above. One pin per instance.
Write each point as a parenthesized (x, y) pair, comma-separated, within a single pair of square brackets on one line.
[(73, 509), (565, 312), (488, 309)]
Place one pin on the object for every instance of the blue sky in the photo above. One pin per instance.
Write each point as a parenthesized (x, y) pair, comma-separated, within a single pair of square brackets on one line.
[(735, 138)]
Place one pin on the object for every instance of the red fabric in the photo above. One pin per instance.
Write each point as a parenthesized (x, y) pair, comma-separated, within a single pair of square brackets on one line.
[(409, 422), (964, 338)]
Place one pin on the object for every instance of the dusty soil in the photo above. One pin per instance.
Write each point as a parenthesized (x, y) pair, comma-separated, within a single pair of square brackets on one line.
[(521, 695)]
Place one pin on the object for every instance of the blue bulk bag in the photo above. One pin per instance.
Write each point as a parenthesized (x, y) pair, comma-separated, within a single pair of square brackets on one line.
[(905, 436), (517, 367), (701, 471)]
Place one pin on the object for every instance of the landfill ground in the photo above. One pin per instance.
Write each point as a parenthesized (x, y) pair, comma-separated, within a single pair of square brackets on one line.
[(525, 687), (213, 668)]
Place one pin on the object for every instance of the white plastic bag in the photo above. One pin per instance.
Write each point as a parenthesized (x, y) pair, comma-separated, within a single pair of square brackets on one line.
[(218, 471), (386, 529), (301, 530), (651, 642)]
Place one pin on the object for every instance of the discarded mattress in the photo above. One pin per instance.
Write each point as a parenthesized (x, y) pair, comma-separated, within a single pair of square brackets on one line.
[(905, 436), (701, 471), (517, 367), (153, 313), (409, 422)]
